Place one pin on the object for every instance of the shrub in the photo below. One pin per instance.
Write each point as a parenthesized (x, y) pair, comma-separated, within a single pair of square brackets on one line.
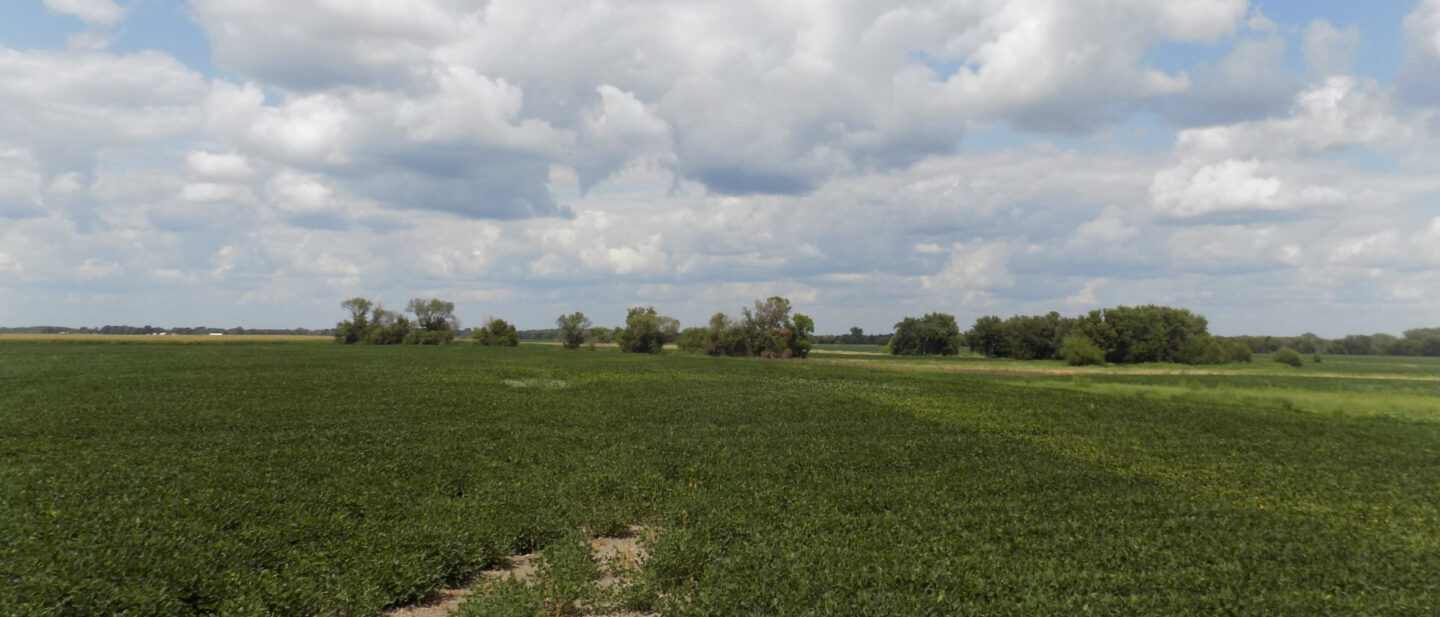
[(693, 340), (497, 333), (430, 337), (1288, 356), (1237, 352), (1081, 351), (1202, 349)]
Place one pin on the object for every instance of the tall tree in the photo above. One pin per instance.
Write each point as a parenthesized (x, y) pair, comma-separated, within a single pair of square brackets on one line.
[(574, 329), (644, 330), (435, 319), (355, 329), (933, 334)]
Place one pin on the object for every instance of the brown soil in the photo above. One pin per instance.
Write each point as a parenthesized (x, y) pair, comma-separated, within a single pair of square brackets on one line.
[(617, 558)]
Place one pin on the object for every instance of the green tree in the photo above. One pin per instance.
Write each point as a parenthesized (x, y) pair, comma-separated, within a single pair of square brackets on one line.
[(1035, 337), (435, 320), (497, 333), (387, 327), (357, 328), (771, 332), (1200, 350), (644, 331), (933, 334), (574, 329), (799, 342), (1424, 341), (725, 337), (986, 337)]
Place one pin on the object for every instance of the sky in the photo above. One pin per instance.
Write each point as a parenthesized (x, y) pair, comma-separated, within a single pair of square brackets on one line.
[(1273, 166)]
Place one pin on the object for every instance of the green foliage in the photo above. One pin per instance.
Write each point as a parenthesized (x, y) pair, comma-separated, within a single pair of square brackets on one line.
[(1202, 349), (1080, 351), (987, 337), (1415, 342), (1128, 335), (370, 323), (1236, 352), (933, 334), (1288, 357), (645, 331), (296, 480), (357, 328), (434, 315), (574, 329), (798, 339), (856, 337), (693, 340), (387, 327), (496, 333), (435, 322), (767, 331)]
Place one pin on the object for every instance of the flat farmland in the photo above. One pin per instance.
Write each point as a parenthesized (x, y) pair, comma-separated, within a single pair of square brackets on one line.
[(315, 479)]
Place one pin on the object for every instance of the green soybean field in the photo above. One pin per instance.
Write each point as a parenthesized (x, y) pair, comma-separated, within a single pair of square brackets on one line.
[(312, 479)]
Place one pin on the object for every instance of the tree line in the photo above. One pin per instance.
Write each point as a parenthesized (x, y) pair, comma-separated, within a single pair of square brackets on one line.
[(769, 330), (1415, 342), (1119, 335)]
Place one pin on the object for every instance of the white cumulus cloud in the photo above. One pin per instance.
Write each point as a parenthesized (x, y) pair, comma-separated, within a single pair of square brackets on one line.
[(90, 11)]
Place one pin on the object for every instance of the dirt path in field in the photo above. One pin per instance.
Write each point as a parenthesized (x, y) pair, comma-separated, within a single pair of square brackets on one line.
[(616, 555)]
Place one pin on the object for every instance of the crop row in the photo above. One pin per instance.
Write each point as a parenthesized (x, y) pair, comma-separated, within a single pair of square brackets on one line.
[(317, 479)]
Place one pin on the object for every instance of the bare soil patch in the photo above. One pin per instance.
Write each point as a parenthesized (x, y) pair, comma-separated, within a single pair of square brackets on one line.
[(619, 558)]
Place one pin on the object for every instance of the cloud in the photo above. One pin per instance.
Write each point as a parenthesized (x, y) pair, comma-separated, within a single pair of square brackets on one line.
[(975, 270), (590, 244), (21, 184), (1073, 67), (1249, 82), (543, 156), (746, 97), (312, 46), (1230, 186), (1328, 50), (226, 168), (1416, 80), (1269, 166), (66, 108), (457, 146), (101, 12)]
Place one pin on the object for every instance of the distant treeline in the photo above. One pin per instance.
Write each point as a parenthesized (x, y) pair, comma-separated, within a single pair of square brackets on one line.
[(855, 337), (600, 335), (1417, 342), (142, 330)]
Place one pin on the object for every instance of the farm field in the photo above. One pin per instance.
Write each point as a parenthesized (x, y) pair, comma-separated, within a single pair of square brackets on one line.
[(171, 339), (298, 479)]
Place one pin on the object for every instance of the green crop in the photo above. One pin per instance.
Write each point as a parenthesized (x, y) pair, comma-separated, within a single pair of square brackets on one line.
[(330, 480)]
